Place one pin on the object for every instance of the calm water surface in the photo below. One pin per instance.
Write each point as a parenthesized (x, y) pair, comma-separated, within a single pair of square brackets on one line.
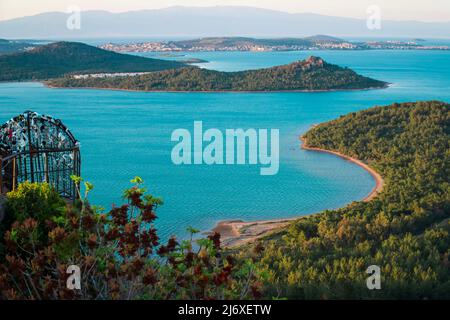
[(124, 134)]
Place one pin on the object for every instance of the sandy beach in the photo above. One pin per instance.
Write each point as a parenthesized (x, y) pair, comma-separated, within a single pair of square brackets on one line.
[(237, 232), (378, 179)]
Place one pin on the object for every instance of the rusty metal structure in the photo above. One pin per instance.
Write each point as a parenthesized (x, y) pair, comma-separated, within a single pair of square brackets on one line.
[(38, 148)]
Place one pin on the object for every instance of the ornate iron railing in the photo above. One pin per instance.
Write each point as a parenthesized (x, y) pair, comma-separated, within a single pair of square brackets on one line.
[(38, 148), (54, 166)]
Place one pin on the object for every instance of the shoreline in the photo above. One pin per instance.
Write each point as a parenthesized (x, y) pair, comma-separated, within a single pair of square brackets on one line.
[(388, 85), (236, 233), (379, 182)]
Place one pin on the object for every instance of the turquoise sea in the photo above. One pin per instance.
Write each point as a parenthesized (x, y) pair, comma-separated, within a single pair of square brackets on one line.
[(124, 134)]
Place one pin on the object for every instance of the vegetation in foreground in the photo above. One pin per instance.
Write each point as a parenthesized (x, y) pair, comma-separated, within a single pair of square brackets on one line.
[(312, 74), (405, 230), (119, 254)]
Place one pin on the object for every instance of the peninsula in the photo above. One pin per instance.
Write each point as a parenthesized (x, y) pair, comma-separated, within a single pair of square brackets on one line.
[(62, 58), (405, 229)]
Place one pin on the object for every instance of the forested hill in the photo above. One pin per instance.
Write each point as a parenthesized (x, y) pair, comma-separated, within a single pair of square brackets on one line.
[(60, 58), (405, 230), (312, 74), (11, 46), (243, 43)]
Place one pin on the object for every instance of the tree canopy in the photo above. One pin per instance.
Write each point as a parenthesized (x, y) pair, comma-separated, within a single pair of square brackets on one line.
[(61, 58)]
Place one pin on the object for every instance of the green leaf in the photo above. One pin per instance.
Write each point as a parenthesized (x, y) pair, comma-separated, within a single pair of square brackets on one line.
[(137, 180), (89, 186), (76, 179), (192, 230)]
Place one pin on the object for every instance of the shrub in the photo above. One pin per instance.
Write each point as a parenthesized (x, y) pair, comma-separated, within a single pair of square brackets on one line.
[(33, 200), (119, 253)]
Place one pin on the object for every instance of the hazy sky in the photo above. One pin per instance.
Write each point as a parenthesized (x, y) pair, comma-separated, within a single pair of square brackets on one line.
[(422, 10)]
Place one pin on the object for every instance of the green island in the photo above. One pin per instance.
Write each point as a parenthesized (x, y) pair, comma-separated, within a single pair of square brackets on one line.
[(312, 74), (405, 231), (61, 58), (77, 65)]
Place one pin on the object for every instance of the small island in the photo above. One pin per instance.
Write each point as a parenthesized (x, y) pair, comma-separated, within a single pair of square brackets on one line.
[(312, 74)]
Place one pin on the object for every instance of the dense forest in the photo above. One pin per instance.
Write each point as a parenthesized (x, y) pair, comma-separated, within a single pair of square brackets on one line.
[(311, 74), (405, 230), (61, 58)]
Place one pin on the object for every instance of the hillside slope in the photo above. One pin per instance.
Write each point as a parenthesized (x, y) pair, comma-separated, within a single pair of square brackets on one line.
[(405, 230), (312, 74), (10, 46), (60, 58)]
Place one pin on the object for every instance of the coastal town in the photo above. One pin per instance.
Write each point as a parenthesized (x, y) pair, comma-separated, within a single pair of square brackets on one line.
[(263, 45), (173, 47), (108, 75)]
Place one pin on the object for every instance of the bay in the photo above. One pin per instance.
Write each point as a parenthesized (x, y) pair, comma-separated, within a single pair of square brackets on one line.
[(124, 134)]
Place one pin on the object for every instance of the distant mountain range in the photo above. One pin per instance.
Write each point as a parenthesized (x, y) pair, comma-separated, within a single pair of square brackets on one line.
[(210, 21), (61, 58)]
